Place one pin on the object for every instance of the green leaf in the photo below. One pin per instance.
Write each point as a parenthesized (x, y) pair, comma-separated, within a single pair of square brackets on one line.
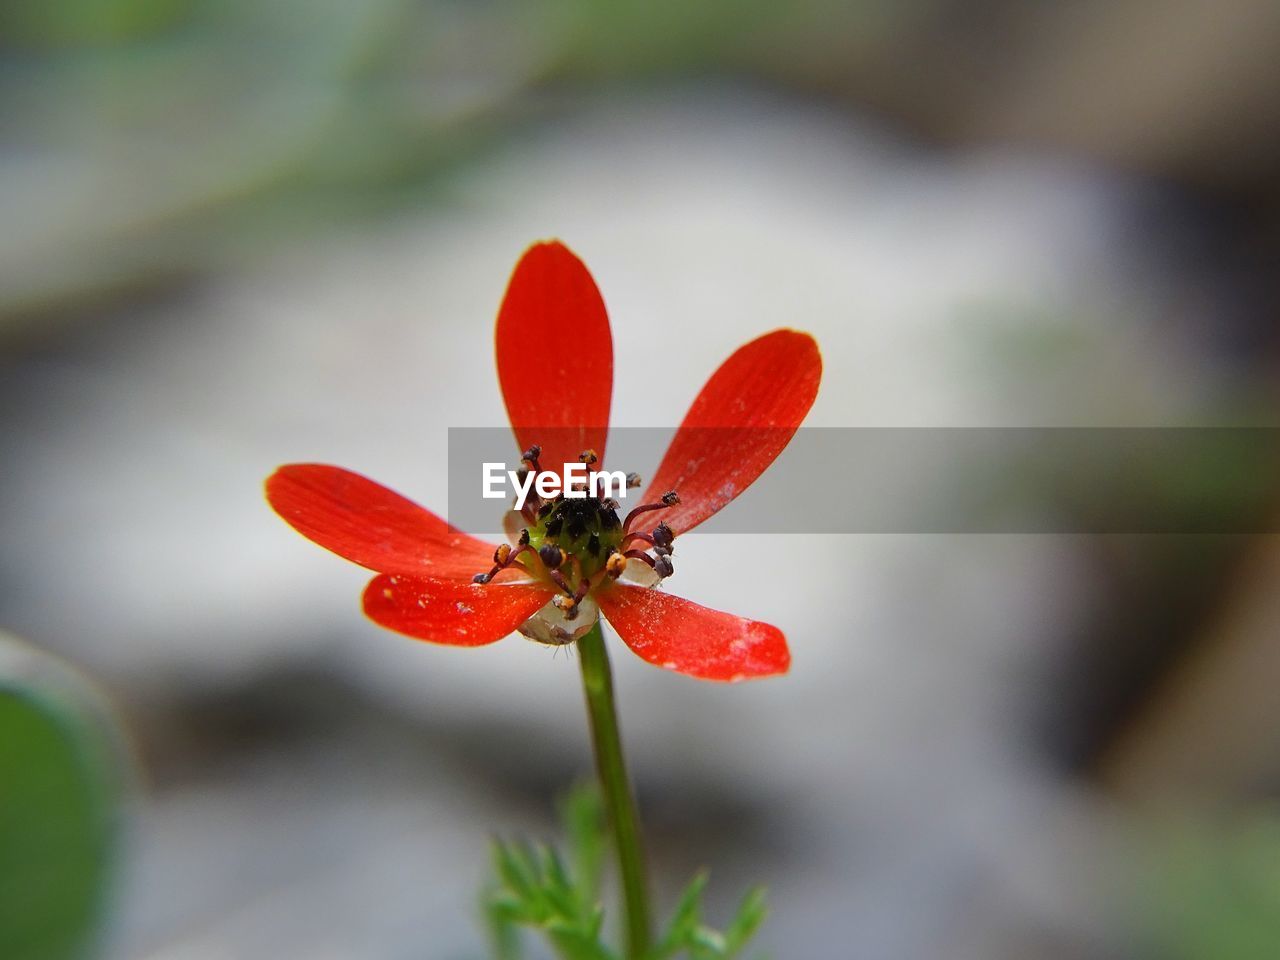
[(686, 934), (61, 787), (558, 888), (536, 888), (504, 933), (573, 943), (684, 920), (519, 876), (751, 914)]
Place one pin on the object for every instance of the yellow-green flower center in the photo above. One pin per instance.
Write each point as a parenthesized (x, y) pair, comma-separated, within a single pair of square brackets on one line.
[(587, 529)]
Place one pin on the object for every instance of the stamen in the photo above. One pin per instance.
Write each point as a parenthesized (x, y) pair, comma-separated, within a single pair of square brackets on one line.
[(669, 499), (661, 564), (569, 605), (529, 513), (589, 457), (503, 557), (663, 535), (576, 573), (633, 481), (665, 549), (566, 605), (615, 565)]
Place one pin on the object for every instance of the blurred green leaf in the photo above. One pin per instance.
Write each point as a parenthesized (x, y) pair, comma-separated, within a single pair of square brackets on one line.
[(751, 913), (1214, 890), (69, 23), (684, 920), (686, 934), (59, 801), (534, 889)]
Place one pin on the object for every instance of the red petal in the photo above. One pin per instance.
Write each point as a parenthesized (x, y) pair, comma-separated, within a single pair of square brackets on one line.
[(372, 526), (555, 356), (680, 635), (742, 419), (450, 611)]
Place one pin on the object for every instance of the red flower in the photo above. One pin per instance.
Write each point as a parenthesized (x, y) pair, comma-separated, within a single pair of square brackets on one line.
[(573, 559)]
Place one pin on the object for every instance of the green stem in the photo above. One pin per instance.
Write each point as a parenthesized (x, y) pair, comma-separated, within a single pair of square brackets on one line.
[(597, 684)]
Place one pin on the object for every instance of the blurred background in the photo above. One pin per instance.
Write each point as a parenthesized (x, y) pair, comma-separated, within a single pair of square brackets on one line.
[(238, 234)]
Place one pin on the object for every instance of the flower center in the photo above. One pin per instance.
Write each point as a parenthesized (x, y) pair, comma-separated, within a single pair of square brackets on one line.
[(578, 542), (586, 529)]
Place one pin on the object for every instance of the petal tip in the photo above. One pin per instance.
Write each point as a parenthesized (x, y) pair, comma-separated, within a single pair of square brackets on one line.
[(551, 292), (799, 340), (549, 248), (274, 488)]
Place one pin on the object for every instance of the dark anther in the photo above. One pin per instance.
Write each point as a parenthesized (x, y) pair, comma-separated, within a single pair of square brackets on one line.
[(553, 526), (544, 510), (589, 457), (633, 480), (576, 528), (482, 578), (521, 475), (662, 534), (524, 537), (663, 551), (593, 545), (662, 566), (532, 454), (551, 555), (610, 504), (670, 498)]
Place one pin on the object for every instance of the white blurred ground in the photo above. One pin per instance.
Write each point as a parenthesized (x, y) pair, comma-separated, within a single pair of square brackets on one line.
[(911, 816)]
